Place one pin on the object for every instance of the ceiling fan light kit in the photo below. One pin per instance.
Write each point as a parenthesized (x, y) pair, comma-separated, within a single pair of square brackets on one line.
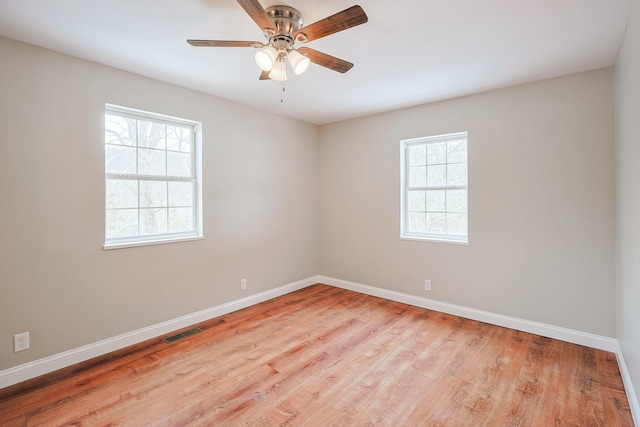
[(298, 62), (282, 26), (266, 57), (279, 71)]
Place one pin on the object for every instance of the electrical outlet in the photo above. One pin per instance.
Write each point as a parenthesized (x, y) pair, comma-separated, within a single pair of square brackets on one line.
[(243, 284), (427, 285), (21, 342)]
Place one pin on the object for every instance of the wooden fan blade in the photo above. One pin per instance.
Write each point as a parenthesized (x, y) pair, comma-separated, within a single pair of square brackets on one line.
[(340, 21), (223, 43), (264, 75), (328, 61), (257, 13)]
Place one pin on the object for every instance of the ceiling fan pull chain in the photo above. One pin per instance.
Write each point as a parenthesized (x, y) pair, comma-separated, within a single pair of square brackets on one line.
[(282, 94)]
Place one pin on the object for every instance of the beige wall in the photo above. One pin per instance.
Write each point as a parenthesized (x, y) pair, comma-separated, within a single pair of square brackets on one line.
[(542, 200), (260, 204), (541, 205), (628, 200)]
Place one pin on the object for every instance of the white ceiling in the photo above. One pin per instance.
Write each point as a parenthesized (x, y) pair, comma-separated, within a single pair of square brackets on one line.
[(410, 52)]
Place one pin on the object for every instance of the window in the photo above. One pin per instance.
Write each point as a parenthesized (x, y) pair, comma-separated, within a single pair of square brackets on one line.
[(152, 185), (434, 188)]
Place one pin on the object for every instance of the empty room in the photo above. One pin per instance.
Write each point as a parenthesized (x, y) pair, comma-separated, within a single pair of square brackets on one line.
[(252, 212)]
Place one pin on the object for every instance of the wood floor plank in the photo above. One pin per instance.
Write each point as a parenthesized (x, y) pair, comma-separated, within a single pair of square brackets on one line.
[(331, 357)]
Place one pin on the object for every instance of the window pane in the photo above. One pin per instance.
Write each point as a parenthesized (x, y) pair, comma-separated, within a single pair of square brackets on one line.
[(437, 175), (151, 162), (457, 151), (417, 222), (153, 221), (417, 201), (151, 135), (181, 194), (457, 201), (435, 223), (180, 220), (153, 194), (457, 174), (436, 200), (436, 153), (119, 130), (179, 138), (178, 164), (418, 176), (122, 223), (122, 193), (418, 155), (457, 224), (120, 159)]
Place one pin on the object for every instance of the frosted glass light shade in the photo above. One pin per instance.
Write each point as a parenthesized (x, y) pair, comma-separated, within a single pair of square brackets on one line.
[(298, 62), (266, 57), (279, 71)]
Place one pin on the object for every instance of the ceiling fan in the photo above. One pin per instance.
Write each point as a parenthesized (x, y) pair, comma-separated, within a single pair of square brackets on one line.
[(282, 26)]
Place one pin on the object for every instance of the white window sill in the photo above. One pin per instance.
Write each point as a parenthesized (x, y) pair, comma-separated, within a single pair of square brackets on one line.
[(110, 246), (436, 240)]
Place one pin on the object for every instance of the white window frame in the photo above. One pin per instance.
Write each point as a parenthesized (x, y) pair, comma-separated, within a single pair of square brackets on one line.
[(196, 178), (405, 188)]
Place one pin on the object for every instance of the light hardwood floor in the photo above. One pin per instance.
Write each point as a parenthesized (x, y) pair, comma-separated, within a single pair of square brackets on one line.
[(324, 356)]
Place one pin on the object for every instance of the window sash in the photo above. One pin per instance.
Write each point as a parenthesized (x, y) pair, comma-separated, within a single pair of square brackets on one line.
[(163, 234), (407, 188)]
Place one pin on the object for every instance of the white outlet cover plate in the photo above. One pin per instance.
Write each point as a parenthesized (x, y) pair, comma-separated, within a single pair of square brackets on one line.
[(21, 342)]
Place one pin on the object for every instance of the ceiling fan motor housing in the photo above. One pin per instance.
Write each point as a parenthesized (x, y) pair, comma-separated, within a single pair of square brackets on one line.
[(287, 21)]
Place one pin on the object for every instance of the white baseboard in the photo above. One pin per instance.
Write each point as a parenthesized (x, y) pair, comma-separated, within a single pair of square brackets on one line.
[(628, 387), (550, 331), (49, 364)]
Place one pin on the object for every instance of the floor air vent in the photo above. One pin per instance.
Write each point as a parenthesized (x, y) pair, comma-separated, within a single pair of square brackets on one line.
[(181, 335)]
